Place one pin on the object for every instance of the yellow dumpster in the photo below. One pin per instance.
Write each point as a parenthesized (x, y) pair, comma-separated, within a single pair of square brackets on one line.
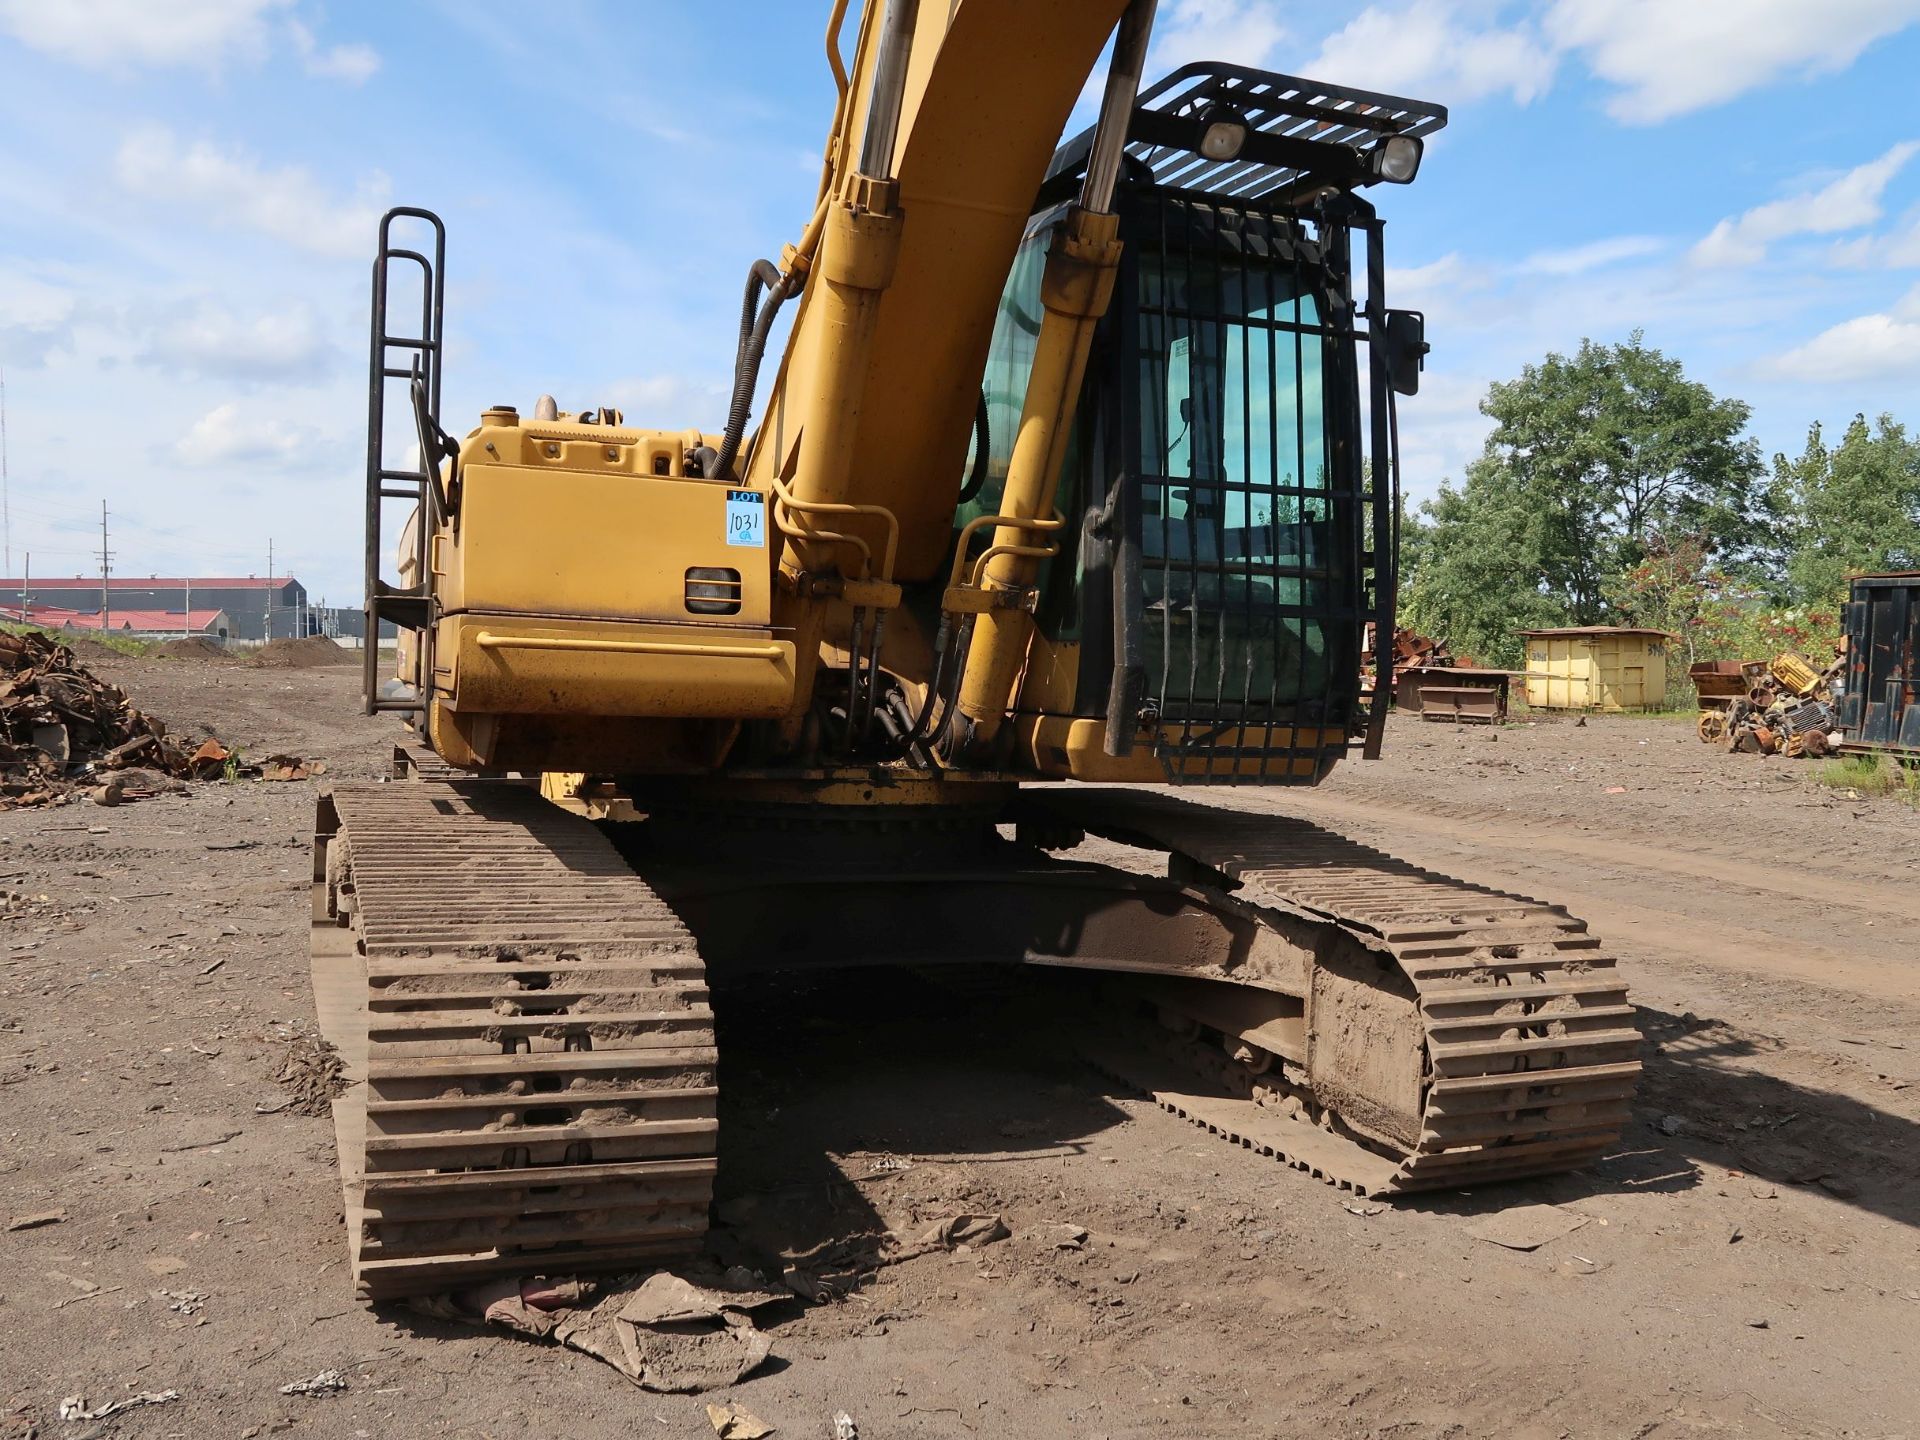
[(1596, 667)]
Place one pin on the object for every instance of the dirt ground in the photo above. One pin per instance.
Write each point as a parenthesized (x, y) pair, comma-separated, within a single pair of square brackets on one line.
[(1745, 1263)]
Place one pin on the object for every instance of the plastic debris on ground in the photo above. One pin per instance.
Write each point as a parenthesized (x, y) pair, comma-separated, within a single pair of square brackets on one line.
[(75, 1408), (675, 1332), (327, 1382), (732, 1422), (956, 1230)]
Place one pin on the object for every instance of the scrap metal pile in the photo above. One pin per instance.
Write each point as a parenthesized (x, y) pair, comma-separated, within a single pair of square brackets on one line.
[(63, 729), (1781, 706), (1411, 651)]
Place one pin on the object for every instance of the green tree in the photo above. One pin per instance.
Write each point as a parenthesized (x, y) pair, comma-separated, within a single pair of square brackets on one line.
[(1474, 582), (1594, 463), (1849, 510), (1674, 588)]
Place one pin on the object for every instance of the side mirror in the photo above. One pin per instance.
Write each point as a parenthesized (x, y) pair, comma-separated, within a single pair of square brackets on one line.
[(1406, 349)]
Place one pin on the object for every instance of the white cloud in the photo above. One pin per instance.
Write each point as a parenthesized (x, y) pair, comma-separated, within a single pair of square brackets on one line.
[(1449, 272), (1902, 249), (1842, 204), (1897, 249), (1669, 57), (36, 319), (665, 400), (203, 34), (1441, 428), (1867, 347), (286, 203), (1434, 51), (104, 33), (1247, 32), (209, 341), (1579, 259), (229, 435), (353, 64)]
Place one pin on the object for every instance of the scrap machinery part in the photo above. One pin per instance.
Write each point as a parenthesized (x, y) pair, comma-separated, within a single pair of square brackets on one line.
[(528, 1032), (1451, 1034)]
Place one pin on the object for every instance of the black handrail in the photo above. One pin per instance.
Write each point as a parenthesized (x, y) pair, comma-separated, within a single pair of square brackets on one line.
[(423, 350)]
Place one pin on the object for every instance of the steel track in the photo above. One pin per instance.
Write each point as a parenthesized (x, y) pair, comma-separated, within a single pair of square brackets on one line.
[(539, 1063), (530, 1028), (1529, 1051)]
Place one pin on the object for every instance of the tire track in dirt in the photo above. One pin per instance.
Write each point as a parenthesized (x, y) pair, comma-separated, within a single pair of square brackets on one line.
[(1754, 944), (1809, 881)]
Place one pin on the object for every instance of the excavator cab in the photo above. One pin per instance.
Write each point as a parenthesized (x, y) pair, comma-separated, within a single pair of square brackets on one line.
[(1231, 474)]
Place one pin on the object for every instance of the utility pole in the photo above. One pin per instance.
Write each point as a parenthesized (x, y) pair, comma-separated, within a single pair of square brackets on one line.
[(269, 634), (106, 569), (26, 587), (6, 497)]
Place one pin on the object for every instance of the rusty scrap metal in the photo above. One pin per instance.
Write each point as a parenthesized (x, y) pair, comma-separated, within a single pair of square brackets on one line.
[(1788, 708), (1413, 655), (63, 728)]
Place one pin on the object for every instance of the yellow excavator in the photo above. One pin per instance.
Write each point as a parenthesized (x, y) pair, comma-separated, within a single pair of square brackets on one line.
[(1078, 466)]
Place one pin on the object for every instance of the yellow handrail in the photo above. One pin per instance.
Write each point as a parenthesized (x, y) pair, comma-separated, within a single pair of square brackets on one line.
[(487, 640), (783, 499), (980, 521)]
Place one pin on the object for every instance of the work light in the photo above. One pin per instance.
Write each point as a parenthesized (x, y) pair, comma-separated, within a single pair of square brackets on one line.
[(1226, 132), (1396, 159)]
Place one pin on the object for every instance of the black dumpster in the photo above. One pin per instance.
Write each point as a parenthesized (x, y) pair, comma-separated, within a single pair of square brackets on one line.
[(1880, 709)]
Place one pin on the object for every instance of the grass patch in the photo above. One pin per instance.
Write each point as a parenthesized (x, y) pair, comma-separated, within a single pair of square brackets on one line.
[(1872, 775), (119, 644)]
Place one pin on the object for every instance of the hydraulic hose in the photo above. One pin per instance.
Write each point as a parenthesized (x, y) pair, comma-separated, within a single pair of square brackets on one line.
[(751, 349)]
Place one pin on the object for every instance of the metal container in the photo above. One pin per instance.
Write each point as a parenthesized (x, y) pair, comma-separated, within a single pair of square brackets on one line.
[(1596, 667), (1457, 693), (1718, 683), (1879, 709)]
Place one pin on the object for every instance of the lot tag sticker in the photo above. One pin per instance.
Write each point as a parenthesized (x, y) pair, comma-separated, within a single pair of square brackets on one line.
[(746, 519)]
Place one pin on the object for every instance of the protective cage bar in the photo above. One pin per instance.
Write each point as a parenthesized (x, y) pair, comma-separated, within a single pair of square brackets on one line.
[(1306, 128), (1260, 518), (412, 358)]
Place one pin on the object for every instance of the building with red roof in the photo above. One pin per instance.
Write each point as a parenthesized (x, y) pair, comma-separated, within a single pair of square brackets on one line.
[(252, 604)]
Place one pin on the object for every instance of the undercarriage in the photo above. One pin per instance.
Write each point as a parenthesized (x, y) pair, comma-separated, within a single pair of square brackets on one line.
[(525, 996)]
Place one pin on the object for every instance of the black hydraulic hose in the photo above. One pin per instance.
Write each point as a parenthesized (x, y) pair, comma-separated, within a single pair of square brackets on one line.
[(752, 347), (978, 476), (944, 645), (761, 273), (963, 647)]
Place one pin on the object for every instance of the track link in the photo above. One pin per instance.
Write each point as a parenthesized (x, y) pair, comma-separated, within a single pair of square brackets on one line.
[(1527, 1052), (532, 1044)]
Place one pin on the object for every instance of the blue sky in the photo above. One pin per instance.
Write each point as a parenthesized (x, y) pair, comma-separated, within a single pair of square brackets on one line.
[(189, 192)]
